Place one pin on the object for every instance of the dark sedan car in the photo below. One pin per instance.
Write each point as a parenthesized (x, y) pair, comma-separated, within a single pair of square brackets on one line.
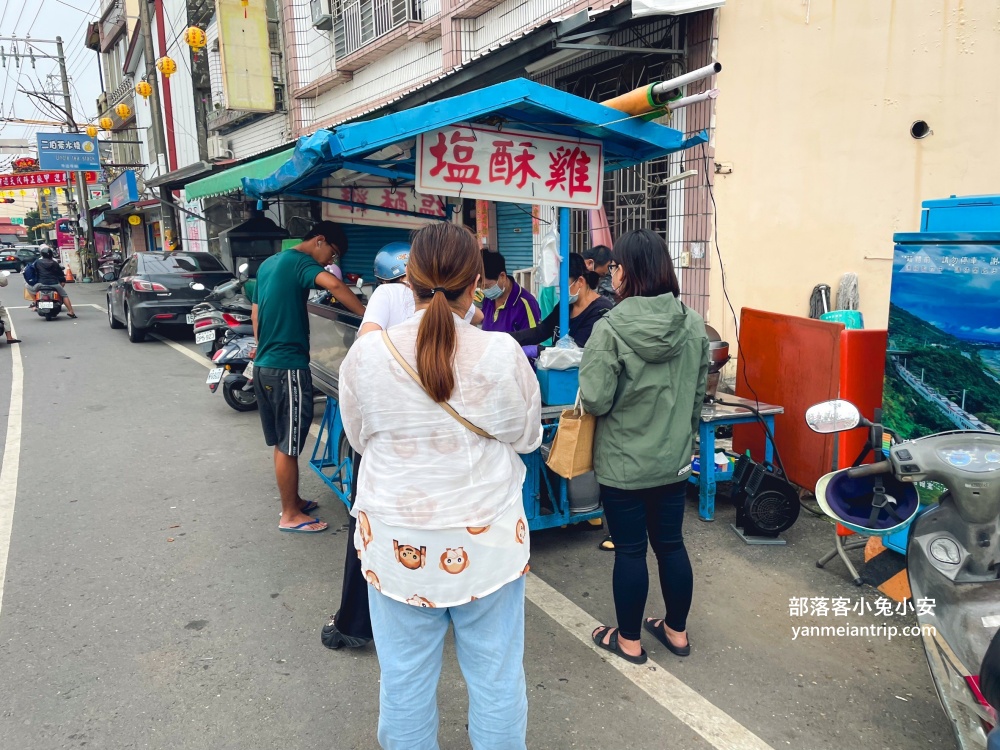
[(16, 258), (155, 289)]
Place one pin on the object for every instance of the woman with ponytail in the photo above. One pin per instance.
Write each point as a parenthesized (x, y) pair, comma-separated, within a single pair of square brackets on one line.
[(441, 410)]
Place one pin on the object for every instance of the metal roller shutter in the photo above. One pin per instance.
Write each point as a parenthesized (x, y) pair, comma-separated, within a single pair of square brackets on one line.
[(364, 243), (514, 235)]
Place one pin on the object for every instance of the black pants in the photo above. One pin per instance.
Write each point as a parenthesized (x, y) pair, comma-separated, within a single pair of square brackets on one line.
[(634, 516), (353, 617)]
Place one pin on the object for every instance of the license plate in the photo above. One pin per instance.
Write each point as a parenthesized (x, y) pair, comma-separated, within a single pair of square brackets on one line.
[(204, 337), (189, 319), (46, 305), (215, 375), (248, 373)]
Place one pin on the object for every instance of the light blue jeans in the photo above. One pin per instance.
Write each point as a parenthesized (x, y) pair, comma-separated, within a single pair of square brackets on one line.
[(489, 643)]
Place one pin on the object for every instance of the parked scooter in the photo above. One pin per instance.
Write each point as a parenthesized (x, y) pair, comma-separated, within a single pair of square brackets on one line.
[(953, 555), (223, 315), (234, 372), (48, 302)]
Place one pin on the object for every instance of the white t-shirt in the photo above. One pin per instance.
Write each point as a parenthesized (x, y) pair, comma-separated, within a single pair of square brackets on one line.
[(391, 304)]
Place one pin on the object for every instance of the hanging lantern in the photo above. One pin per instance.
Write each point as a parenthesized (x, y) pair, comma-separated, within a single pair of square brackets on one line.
[(106, 123), (47, 191), (134, 220), (123, 111), (144, 89), (92, 131), (245, 4), (195, 39), (24, 193), (166, 66)]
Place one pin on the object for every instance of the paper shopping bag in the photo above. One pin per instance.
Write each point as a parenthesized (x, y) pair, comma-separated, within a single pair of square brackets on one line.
[(572, 452)]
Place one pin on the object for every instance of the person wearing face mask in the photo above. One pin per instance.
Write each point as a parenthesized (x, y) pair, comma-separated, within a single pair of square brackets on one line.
[(598, 259), (506, 306), (586, 307)]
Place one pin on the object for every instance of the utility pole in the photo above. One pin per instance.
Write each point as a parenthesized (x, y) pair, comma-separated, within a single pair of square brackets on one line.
[(159, 138), (80, 177)]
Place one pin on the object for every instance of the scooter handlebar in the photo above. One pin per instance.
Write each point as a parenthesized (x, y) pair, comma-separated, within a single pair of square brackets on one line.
[(880, 467)]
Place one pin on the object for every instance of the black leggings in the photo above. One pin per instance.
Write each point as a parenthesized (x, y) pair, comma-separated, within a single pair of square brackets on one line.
[(634, 516), (353, 617)]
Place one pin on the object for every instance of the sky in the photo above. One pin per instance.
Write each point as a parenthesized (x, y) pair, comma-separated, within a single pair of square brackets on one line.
[(955, 288), (46, 19)]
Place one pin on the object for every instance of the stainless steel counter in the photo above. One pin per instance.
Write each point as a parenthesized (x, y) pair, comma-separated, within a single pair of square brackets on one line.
[(331, 333)]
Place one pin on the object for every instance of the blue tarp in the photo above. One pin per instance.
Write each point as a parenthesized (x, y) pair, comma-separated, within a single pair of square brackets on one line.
[(520, 104)]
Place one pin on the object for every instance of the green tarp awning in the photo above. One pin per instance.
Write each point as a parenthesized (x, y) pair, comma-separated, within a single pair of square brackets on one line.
[(231, 180)]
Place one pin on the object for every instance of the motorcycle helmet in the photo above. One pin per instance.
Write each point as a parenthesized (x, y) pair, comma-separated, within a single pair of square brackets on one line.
[(851, 501), (390, 263)]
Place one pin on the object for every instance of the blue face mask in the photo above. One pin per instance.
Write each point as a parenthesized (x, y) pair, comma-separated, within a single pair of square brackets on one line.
[(493, 292), (573, 298)]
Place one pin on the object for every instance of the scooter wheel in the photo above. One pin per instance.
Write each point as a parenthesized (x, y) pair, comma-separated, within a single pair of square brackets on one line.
[(50, 316), (236, 397)]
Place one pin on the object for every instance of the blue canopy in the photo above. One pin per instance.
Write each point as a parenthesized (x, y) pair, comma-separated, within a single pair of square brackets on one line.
[(519, 104)]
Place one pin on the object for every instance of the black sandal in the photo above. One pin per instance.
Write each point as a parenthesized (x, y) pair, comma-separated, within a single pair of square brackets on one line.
[(606, 544), (612, 645), (660, 633)]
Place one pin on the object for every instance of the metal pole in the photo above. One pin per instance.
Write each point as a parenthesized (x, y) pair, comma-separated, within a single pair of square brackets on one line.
[(159, 138), (564, 272), (80, 177)]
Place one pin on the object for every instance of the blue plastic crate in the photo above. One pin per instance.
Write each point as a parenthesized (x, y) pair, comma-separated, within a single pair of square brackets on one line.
[(559, 387)]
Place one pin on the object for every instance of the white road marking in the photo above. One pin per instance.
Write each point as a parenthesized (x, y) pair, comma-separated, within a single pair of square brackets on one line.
[(716, 726), (11, 458), (199, 358), (712, 723)]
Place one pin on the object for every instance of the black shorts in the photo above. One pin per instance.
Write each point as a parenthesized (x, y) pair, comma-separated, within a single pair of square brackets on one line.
[(285, 401)]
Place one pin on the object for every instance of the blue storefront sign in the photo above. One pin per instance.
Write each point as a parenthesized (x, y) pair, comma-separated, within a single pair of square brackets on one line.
[(69, 152), (124, 190)]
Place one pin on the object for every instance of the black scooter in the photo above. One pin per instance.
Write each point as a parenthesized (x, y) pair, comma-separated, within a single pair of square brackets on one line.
[(233, 371), (48, 302)]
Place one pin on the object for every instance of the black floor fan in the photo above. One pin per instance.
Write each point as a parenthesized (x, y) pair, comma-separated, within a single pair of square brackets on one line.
[(766, 504)]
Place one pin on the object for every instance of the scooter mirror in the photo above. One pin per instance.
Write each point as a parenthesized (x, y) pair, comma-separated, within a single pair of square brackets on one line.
[(109, 276), (833, 416), (198, 286), (244, 267)]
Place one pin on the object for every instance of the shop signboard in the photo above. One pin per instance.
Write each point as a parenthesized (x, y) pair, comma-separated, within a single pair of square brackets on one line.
[(124, 190), (386, 196), (73, 152), (30, 180), (511, 166), (943, 362)]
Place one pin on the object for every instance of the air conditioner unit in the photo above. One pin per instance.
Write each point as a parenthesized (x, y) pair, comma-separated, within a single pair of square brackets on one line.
[(217, 147), (322, 18)]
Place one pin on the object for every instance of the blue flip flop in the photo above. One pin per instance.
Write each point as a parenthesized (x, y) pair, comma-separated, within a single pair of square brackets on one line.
[(299, 530), (310, 506)]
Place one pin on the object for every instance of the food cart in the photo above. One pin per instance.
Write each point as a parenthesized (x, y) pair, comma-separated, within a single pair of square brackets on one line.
[(514, 141)]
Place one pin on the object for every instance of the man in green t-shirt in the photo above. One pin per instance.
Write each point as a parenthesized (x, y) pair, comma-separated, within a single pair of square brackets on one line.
[(282, 380)]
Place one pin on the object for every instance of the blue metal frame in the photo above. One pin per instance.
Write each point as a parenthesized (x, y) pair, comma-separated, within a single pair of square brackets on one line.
[(337, 472), (708, 477)]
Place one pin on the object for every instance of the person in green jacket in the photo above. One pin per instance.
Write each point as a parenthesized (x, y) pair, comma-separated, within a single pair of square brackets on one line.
[(643, 375)]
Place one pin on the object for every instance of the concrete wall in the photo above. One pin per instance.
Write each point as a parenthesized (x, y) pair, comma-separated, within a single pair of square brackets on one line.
[(817, 102)]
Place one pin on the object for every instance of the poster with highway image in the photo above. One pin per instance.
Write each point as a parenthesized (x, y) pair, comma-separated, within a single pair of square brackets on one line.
[(943, 360)]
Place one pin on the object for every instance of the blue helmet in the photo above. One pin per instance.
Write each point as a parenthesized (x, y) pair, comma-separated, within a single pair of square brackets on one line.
[(851, 502), (390, 263)]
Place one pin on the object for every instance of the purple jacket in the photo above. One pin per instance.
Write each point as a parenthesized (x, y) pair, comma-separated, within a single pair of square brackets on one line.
[(520, 311)]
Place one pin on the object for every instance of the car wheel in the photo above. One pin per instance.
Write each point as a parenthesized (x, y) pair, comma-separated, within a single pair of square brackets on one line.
[(112, 320), (135, 335)]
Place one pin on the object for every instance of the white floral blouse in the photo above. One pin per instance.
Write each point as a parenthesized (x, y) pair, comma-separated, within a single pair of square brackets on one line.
[(443, 567)]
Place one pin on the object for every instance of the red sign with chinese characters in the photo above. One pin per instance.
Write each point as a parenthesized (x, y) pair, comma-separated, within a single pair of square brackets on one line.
[(30, 180), (509, 165), (384, 196)]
